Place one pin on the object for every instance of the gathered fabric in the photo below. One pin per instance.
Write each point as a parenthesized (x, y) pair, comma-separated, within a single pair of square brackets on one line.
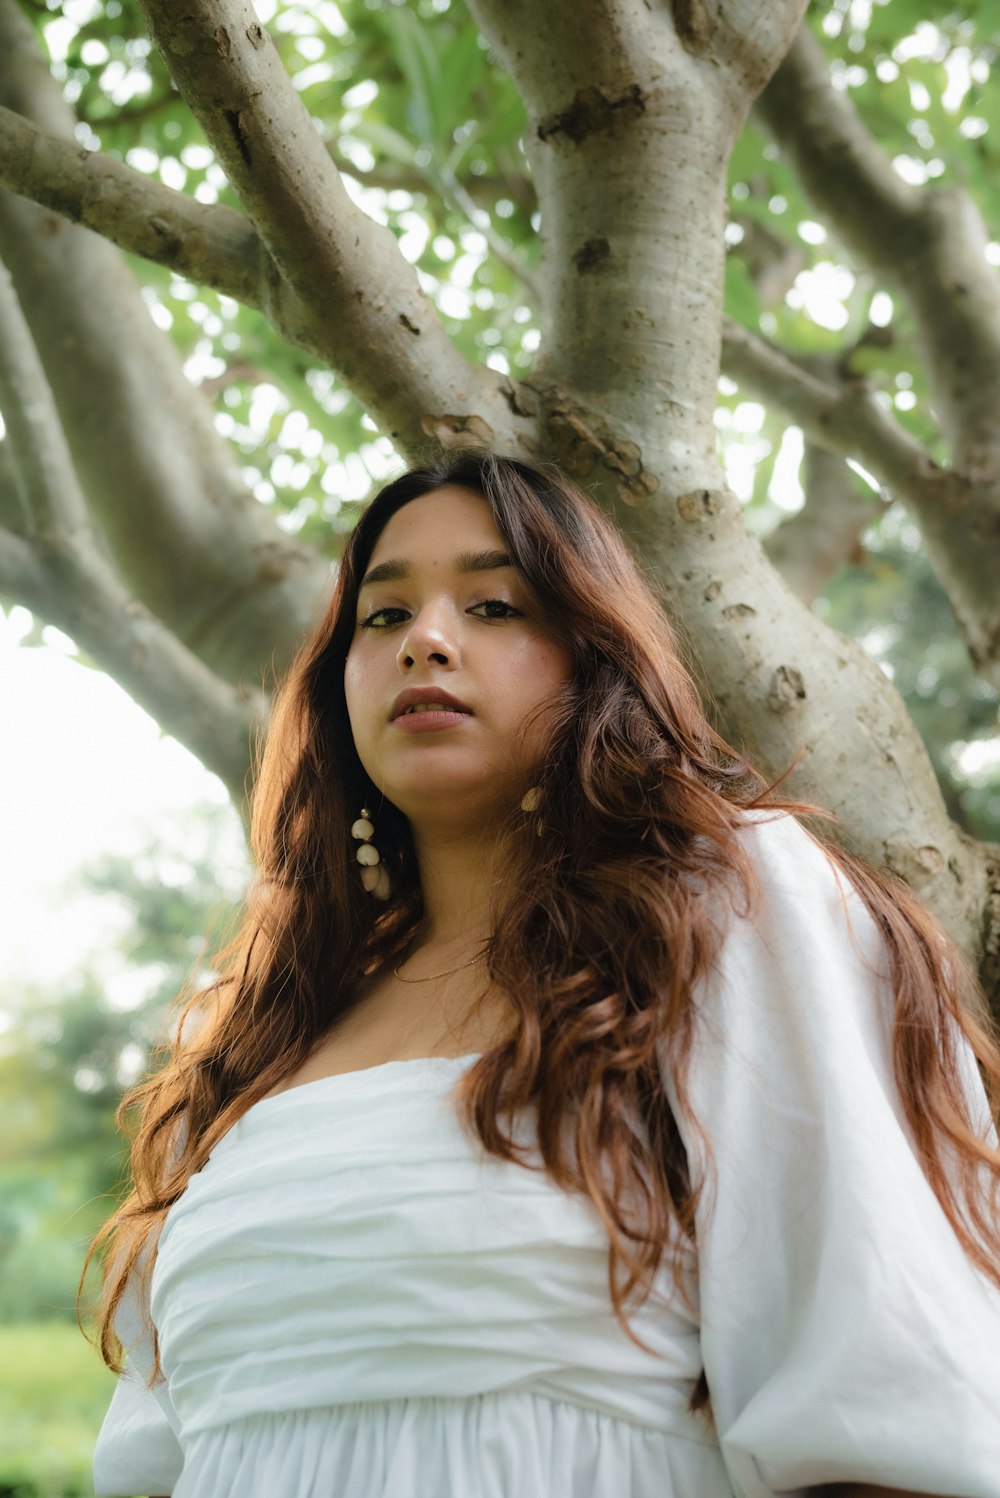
[(353, 1300)]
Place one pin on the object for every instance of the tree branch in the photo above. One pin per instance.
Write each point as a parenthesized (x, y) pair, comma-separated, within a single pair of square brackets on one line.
[(360, 298), (210, 243), (845, 418), (136, 112), (395, 175), (61, 572), (743, 37), (952, 510), (37, 447), (631, 283), (812, 544), (929, 243), (809, 546), (80, 594), (773, 262), (164, 488), (450, 188), (22, 574), (14, 512)]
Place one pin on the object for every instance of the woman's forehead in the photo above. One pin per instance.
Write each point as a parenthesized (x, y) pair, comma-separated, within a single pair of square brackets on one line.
[(438, 525)]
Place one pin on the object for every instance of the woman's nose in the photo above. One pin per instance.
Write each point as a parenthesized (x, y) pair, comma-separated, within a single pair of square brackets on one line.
[(428, 640)]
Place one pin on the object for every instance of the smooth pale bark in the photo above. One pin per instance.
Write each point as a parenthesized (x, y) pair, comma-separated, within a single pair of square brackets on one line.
[(209, 243)]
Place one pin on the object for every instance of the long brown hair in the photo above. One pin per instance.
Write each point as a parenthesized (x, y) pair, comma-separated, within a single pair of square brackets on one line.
[(600, 945)]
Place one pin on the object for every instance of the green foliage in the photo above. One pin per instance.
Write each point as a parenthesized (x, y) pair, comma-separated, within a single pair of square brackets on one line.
[(918, 646), (69, 1055), (54, 1391)]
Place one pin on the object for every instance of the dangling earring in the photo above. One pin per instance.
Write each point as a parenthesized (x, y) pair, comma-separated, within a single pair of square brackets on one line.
[(530, 802), (374, 874)]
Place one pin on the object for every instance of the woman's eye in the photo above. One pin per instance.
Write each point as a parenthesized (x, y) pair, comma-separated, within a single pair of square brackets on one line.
[(495, 608), (383, 618)]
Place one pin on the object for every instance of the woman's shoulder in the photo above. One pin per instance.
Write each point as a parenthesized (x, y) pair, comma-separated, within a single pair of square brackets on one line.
[(779, 846), (794, 876), (803, 941)]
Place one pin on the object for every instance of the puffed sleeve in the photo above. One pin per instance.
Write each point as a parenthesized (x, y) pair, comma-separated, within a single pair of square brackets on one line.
[(845, 1335), (137, 1450)]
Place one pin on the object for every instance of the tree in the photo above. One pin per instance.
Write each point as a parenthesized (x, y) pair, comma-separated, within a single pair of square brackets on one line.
[(602, 178)]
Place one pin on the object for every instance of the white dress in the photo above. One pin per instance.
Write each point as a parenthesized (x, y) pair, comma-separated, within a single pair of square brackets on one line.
[(354, 1301)]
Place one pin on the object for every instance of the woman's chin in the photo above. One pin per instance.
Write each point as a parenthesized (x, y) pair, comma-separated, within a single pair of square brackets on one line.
[(471, 802)]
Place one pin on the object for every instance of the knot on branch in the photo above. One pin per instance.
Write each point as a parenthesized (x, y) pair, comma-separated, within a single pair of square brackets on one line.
[(914, 865), (592, 113), (592, 255), (519, 396), (701, 504), (581, 441), (164, 239), (787, 690), (696, 22), (451, 430), (234, 121)]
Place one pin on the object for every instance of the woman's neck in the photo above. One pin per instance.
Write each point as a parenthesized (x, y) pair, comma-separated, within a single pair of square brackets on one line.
[(460, 886)]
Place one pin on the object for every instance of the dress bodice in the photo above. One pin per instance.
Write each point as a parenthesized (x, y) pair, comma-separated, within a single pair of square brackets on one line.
[(347, 1241)]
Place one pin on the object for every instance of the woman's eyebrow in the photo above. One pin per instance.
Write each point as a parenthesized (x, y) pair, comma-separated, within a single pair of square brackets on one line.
[(482, 561), (467, 561)]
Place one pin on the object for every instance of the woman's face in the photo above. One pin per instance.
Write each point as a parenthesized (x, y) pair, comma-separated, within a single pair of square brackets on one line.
[(451, 668)]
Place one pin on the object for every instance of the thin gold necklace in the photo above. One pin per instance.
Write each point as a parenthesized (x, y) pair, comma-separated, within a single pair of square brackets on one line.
[(431, 977)]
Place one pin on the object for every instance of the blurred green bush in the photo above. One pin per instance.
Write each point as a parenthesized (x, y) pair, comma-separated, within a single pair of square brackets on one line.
[(54, 1391)]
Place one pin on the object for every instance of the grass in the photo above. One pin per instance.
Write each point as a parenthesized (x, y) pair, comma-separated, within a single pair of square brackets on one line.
[(54, 1391)]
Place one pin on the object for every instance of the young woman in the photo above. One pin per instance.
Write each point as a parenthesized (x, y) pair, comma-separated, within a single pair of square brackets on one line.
[(566, 1122)]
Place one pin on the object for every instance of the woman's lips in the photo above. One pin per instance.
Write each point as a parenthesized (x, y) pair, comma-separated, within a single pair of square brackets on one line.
[(429, 720), (428, 709)]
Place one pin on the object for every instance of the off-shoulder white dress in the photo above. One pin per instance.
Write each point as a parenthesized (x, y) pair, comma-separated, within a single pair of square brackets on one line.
[(354, 1301)]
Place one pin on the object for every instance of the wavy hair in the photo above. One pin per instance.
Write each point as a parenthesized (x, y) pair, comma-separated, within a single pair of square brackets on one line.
[(600, 945)]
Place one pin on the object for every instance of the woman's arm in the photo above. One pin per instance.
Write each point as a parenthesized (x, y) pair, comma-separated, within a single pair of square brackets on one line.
[(843, 1328)]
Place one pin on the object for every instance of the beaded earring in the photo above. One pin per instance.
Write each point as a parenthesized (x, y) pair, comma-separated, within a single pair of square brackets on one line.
[(374, 874), (531, 802)]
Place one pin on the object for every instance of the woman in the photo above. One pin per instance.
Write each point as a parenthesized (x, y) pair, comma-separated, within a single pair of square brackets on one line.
[(564, 1124)]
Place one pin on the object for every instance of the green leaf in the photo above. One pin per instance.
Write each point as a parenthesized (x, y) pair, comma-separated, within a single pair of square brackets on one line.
[(385, 141), (414, 51), (741, 295), (462, 65)]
